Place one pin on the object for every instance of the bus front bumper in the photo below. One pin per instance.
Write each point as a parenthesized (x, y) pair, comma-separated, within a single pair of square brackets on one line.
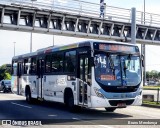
[(97, 102)]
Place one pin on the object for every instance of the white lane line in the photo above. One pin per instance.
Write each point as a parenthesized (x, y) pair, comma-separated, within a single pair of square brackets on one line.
[(21, 105)]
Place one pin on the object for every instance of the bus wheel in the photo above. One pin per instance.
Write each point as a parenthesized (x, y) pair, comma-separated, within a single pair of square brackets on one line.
[(72, 107), (70, 104), (110, 109), (28, 96)]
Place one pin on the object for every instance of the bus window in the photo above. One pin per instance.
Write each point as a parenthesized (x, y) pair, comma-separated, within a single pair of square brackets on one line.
[(33, 66), (57, 62), (26, 66), (48, 64), (14, 70), (70, 61)]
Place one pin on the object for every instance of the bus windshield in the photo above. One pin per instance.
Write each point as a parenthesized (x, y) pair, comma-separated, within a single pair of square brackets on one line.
[(114, 69)]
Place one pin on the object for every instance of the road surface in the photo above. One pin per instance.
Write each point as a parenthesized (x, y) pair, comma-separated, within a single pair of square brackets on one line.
[(15, 107)]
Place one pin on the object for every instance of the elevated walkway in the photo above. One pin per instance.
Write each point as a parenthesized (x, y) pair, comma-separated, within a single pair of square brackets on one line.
[(78, 19)]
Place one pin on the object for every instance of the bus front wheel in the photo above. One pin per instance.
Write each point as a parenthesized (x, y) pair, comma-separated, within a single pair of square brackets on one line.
[(28, 96), (71, 104), (110, 109)]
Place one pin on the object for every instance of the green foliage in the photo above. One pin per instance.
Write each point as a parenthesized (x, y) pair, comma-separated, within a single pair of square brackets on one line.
[(7, 76), (5, 71), (153, 75), (151, 103), (151, 87)]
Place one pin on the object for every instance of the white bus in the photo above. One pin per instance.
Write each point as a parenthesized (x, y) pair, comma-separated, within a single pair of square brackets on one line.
[(88, 74)]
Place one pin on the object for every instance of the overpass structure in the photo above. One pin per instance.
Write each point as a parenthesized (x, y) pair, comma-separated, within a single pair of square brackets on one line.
[(78, 19)]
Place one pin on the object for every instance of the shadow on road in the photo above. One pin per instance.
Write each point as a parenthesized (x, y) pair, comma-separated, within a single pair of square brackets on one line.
[(1, 92), (54, 113)]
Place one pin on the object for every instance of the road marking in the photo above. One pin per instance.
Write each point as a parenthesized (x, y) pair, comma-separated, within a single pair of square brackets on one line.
[(21, 105)]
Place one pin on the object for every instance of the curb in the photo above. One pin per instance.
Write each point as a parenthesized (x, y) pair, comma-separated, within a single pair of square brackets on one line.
[(152, 106)]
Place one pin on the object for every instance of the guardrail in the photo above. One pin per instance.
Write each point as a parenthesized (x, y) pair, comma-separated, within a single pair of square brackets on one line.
[(88, 9)]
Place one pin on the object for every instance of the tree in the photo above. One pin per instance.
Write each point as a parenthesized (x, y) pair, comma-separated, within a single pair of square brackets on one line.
[(159, 75), (7, 76), (154, 74), (5, 71), (148, 75)]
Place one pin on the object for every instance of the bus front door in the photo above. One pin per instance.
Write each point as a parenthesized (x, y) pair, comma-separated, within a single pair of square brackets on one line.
[(19, 78), (40, 70), (84, 87)]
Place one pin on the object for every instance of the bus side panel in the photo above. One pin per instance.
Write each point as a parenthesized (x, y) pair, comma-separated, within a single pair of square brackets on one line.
[(33, 85), (24, 82), (14, 84), (54, 86), (31, 82)]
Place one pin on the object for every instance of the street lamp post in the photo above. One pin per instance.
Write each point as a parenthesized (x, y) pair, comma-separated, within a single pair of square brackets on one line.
[(31, 32), (14, 47), (144, 10), (143, 49)]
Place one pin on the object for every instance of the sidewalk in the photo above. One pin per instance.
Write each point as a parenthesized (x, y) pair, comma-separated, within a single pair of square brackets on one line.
[(150, 105)]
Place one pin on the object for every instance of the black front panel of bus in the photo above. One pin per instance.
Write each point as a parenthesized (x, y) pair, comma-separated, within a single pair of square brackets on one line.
[(119, 89)]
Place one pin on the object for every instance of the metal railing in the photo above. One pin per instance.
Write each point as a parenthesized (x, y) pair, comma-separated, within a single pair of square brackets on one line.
[(87, 9)]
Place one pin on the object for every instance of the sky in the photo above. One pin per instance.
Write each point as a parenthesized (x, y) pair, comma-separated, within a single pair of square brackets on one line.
[(22, 39)]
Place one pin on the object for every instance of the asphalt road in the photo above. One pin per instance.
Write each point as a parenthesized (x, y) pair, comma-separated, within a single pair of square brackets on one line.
[(14, 107)]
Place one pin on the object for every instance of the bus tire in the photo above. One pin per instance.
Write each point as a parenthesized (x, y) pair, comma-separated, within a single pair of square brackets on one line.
[(70, 104), (110, 109), (28, 96), (73, 108)]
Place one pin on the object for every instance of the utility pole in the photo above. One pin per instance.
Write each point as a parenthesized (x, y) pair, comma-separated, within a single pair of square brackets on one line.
[(31, 32), (53, 40), (133, 26), (143, 48), (14, 48)]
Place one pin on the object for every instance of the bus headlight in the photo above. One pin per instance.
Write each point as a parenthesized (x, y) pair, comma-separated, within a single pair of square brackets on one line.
[(98, 93)]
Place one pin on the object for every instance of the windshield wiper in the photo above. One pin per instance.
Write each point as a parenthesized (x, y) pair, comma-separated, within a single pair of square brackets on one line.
[(112, 65), (125, 66), (129, 60)]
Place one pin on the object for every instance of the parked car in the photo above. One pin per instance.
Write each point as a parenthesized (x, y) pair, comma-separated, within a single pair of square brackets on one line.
[(5, 86)]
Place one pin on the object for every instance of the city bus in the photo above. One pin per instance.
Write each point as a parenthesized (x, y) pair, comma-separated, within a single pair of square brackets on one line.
[(91, 74)]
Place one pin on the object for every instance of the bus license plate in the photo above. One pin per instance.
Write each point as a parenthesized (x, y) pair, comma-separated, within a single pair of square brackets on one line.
[(121, 104)]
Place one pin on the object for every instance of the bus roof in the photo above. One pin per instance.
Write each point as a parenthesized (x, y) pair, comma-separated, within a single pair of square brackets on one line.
[(65, 47)]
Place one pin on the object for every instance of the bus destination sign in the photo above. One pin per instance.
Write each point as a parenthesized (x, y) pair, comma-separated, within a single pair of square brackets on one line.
[(117, 48)]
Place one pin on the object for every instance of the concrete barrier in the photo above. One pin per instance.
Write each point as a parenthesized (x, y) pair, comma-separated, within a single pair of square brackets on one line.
[(148, 97)]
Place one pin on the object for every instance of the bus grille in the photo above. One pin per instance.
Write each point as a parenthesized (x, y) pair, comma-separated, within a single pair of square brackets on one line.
[(115, 102)]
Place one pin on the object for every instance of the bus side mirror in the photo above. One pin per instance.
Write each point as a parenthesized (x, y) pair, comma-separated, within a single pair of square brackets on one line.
[(142, 60)]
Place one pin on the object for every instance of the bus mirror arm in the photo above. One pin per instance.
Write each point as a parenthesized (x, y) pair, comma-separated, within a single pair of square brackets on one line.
[(92, 61), (142, 60)]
